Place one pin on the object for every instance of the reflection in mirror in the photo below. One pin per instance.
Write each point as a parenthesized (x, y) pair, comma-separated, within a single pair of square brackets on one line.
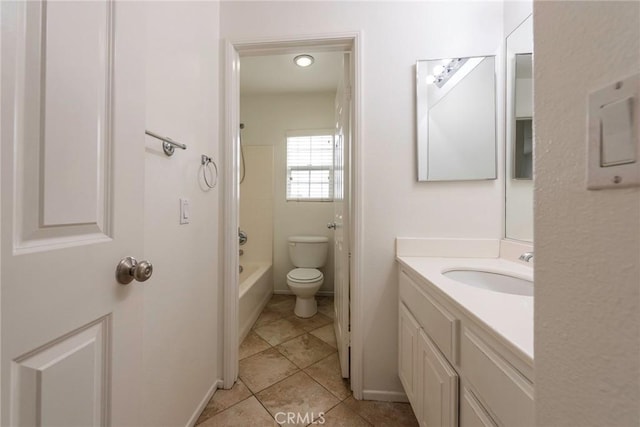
[(519, 133), (523, 92), (456, 119)]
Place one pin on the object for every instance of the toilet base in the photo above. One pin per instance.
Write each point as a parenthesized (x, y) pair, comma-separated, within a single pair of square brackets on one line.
[(305, 307)]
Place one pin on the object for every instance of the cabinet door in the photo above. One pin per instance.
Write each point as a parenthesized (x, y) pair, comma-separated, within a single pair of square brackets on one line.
[(472, 414), (407, 351), (437, 386)]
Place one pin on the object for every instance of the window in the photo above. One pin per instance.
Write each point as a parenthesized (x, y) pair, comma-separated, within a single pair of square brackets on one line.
[(310, 166)]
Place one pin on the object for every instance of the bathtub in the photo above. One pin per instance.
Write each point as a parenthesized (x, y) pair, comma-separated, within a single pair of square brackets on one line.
[(256, 288)]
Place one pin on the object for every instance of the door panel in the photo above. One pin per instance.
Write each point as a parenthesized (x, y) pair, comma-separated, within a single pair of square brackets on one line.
[(471, 412), (72, 133), (63, 383), (341, 192), (63, 99), (437, 386), (408, 332)]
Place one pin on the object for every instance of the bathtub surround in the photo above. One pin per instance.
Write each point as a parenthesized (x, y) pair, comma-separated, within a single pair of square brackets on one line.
[(179, 310), (256, 219), (256, 203), (268, 118), (587, 298)]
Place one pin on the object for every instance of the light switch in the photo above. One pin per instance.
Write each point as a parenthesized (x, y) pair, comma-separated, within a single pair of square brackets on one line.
[(184, 211), (613, 140), (616, 133)]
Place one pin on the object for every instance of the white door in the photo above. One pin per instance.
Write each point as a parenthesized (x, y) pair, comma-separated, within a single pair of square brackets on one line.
[(72, 138), (341, 215)]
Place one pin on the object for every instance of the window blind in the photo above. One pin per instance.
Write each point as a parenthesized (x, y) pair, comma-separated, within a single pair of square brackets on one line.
[(310, 167)]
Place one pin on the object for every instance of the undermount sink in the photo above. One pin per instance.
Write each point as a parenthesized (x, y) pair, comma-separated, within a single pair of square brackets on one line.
[(492, 281)]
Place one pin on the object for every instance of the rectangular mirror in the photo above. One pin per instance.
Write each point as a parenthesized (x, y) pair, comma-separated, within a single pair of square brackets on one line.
[(519, 133), (523, 116), (456, 119)]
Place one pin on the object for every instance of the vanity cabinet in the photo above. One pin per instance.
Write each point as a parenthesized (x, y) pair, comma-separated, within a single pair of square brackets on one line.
[(429, 380), (409, 331), (472, 414), (437, 385), (454, 372)]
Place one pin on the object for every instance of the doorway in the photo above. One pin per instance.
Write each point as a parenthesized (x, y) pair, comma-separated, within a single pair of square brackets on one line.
[(347, 219)]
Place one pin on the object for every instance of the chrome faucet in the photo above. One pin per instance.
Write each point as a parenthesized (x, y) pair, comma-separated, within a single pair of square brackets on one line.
[(527, 256)]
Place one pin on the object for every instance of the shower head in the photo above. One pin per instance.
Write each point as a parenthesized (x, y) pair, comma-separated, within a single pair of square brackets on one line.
[(241, 125)]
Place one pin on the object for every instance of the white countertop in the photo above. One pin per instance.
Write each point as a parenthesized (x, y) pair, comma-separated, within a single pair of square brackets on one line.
[(509, 316)]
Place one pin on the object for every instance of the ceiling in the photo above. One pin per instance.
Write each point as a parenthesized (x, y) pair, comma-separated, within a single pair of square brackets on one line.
[(278, 74)]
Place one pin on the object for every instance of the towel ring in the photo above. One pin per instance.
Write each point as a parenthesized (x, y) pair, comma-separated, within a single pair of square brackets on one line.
[(206, 161)]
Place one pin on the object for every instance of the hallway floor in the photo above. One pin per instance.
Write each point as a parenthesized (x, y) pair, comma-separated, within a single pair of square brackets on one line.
[(290, 375)]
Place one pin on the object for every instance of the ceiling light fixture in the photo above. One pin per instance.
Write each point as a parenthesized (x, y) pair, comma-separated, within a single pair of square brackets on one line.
[(303, 60)]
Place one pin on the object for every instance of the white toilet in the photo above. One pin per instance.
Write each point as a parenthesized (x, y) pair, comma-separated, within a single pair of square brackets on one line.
[(307, 253)]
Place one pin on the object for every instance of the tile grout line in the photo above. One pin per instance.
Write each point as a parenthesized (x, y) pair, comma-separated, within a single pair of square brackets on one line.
[(286, 318), (303, 369), (265, 408), (299, 370)]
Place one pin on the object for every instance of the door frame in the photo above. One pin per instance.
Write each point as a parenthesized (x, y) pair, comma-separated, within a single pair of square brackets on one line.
[(352, 42)]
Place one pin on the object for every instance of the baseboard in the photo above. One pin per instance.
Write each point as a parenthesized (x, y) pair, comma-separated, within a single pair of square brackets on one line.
[(288, 292), (203, 403), (325, 293), (385, 396)]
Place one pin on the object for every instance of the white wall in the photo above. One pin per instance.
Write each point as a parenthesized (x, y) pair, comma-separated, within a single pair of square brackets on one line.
[(587, 311), (256, 204), (394, 36), (267, 119), (181, 313), (515, 11)]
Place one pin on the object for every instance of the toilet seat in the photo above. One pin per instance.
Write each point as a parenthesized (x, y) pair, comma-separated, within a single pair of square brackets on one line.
[(304, 275)]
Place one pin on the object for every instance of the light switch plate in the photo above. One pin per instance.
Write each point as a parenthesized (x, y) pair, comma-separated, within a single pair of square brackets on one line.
[(613, 159), (184, 211)]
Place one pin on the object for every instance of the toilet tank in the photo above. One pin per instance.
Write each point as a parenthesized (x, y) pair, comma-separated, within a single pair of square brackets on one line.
[(308, 251)]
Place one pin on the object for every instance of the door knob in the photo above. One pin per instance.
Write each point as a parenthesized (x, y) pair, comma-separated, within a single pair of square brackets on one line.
[(129, 268), (331, 225)]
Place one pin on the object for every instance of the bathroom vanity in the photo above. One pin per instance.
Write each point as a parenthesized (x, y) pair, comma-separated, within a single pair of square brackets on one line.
[(465, 353), (466, 324)]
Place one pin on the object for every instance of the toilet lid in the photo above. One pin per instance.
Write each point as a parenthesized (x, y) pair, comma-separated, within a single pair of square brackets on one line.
[(304, 274)]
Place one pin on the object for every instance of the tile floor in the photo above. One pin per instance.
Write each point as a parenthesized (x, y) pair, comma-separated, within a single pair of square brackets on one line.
[(290, 366)]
